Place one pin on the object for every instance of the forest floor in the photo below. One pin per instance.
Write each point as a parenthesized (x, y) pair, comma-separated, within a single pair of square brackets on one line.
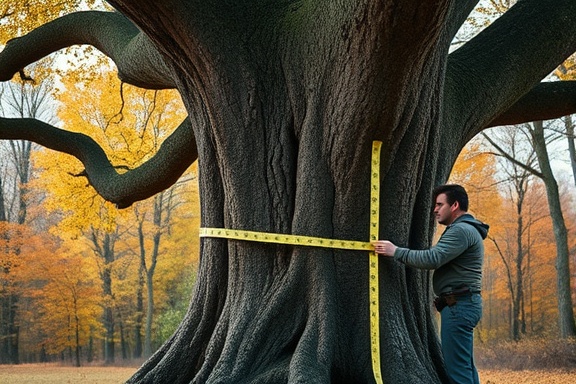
[(55, 374), (507, 376)]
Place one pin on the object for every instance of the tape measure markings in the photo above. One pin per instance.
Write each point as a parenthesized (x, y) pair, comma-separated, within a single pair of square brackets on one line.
[(373, 262), (280, 238)]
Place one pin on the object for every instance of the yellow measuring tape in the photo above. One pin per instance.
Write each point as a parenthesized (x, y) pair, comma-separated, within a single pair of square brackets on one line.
[(280, 238), (373, 260)]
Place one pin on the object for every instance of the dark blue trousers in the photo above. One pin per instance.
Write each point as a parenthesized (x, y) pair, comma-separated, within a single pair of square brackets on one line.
[(457, 335)]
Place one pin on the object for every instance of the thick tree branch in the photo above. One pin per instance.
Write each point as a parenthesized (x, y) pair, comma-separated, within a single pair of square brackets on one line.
[(138, 61), (176, 153), (492, 71), (549, 100), (161, 21), (460, 11)]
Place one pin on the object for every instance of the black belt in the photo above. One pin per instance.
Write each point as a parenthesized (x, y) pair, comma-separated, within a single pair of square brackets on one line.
[(448, 299), (462, 291)]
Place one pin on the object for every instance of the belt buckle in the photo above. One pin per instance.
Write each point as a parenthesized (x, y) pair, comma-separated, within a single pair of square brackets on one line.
[(450, 300)]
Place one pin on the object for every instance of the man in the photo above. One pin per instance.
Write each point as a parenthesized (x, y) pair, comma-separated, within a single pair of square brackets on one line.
[(457, 261)]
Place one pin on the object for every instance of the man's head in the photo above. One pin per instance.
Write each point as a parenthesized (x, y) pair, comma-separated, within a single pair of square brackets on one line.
[(450, 202)]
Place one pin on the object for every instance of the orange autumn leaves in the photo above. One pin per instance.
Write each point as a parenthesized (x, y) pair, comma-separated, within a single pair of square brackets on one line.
[(520, 251), (57, 268)]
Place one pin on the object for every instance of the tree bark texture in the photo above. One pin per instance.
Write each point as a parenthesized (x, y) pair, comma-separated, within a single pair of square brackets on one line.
[(284, 101)]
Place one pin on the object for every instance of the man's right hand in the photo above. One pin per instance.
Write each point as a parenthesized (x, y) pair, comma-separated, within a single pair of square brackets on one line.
[(384, 247)]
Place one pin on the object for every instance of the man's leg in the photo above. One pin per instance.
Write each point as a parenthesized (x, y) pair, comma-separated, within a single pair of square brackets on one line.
[(457, 333)]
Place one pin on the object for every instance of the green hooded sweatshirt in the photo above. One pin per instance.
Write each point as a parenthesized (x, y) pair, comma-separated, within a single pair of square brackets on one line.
[(457, 258)]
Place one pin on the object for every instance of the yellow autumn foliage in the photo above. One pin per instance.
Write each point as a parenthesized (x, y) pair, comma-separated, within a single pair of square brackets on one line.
[(129, 124)]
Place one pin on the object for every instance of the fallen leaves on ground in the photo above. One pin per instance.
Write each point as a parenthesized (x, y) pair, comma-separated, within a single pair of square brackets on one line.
[(505, 376)]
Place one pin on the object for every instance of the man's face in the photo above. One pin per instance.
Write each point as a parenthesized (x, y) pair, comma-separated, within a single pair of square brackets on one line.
[(443, 210)]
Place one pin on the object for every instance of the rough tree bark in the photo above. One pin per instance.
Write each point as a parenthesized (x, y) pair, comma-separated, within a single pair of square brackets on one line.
[(284, 100)]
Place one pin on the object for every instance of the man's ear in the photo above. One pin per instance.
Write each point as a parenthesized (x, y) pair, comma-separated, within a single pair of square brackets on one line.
[(455, 206)]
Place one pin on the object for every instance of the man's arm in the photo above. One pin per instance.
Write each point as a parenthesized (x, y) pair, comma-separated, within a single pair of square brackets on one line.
[(452, 243)]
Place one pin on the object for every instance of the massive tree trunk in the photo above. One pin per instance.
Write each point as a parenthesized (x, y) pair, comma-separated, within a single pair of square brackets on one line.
[(292, 119), (284, 101)]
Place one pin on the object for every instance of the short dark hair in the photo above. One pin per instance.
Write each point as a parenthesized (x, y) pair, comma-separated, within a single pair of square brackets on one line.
[(453, 192)]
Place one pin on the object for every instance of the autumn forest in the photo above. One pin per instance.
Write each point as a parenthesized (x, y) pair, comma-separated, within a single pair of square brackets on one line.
[(92, 282)]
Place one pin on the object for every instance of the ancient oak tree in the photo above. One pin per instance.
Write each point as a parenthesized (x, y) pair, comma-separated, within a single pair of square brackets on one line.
[(284, 99)]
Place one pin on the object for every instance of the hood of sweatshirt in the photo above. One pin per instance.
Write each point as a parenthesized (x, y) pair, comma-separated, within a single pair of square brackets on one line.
[(481, 227)]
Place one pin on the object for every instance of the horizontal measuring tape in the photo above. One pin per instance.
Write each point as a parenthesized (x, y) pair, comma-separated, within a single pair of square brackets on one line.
[(300, 240), (279, 238)]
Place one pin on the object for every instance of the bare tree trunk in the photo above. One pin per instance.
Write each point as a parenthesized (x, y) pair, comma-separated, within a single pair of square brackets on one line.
[(139, 315), (529, 274), (162, 206), (565, 306), (571, 144), (76, 335), (162, 212), (108, 341), (149, 314), (518, 262), (123, 341), (104, 249)]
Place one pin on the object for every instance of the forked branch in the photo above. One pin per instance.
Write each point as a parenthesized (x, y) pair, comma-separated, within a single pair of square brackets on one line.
[(176, 153), (489, 74), (139, 62)]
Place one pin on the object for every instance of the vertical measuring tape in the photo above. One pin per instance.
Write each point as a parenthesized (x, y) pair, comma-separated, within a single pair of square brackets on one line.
[(373, 260), (280, 238)]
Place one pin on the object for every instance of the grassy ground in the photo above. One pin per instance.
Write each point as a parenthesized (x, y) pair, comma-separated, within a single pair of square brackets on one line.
[(53, 374)]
